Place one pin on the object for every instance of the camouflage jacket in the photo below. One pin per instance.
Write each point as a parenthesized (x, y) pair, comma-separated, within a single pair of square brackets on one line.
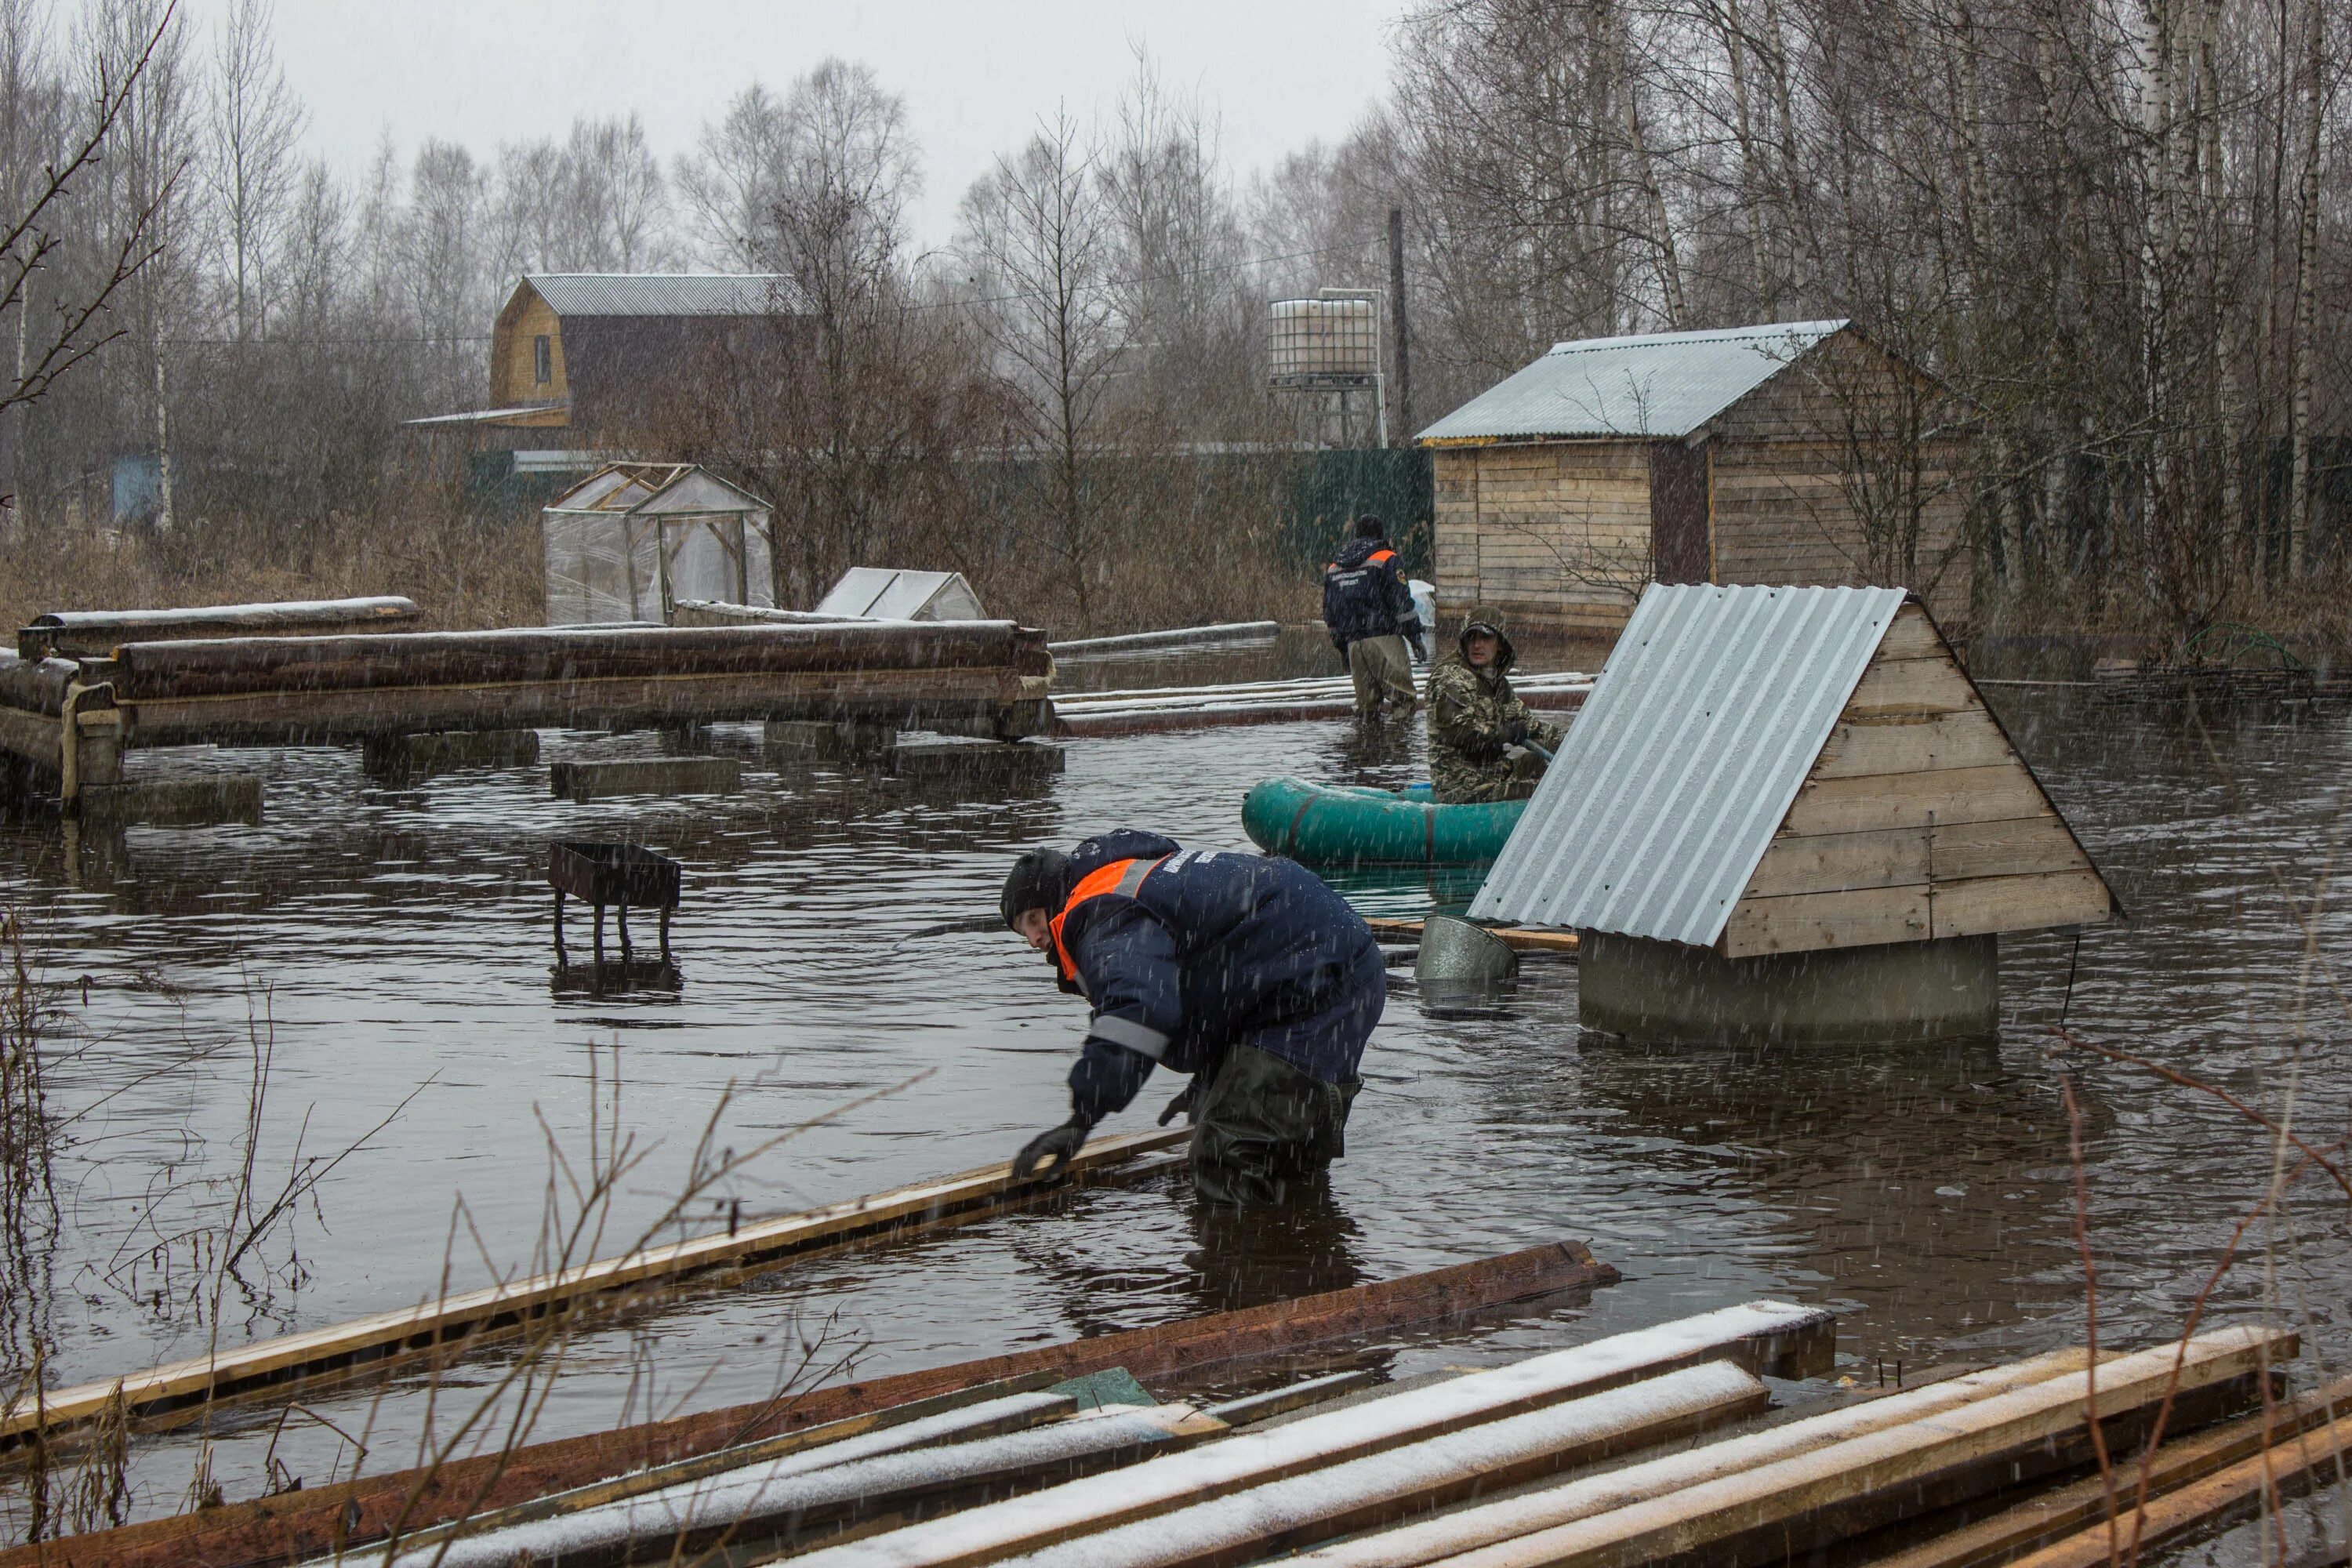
[(1469, 715)]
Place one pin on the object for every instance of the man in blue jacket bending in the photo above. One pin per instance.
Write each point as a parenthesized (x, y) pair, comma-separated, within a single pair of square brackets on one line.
[(1241, 970)]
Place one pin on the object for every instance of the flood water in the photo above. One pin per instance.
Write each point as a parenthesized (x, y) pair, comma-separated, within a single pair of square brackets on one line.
[(385, 950)]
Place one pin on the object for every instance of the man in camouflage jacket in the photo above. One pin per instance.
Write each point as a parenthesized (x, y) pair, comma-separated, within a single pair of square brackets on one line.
[(1474, 720)]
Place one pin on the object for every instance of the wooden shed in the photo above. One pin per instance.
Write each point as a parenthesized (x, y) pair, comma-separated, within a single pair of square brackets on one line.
[(1788, 811), (1794, 453)]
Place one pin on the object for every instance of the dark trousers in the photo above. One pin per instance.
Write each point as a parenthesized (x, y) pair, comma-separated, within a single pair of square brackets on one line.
[(1264, 1124)]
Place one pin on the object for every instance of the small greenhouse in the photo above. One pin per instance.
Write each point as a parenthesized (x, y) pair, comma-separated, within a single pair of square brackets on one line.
[(631, 541)]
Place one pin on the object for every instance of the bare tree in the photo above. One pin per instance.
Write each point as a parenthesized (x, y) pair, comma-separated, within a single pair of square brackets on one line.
[(251, 164), (730, 185), (1036, 238)]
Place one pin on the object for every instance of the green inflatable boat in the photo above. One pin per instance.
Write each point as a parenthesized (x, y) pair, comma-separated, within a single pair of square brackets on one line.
[(1322, 826)]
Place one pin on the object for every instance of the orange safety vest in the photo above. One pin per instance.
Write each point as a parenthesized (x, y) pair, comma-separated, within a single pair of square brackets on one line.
[(1376, 558), (1121, 877)]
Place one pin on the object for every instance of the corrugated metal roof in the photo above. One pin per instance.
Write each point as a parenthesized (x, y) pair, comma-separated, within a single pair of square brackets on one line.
[(660, 293), (1677, 772), (1662, 384)]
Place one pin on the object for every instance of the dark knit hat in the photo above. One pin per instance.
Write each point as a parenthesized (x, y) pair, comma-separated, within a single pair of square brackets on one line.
[(1040, 880)]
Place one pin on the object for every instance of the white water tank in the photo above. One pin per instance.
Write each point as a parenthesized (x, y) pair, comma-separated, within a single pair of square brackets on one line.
[(1323, 342)]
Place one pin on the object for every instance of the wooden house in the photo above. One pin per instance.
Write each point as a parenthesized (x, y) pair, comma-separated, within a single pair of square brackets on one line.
[(1796, 453), (1788, 811), (600, 355)]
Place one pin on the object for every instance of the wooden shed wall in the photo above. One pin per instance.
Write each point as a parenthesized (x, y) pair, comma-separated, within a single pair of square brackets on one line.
[(1916, 821), (514, 352), (1785, 512), (1556, 534)]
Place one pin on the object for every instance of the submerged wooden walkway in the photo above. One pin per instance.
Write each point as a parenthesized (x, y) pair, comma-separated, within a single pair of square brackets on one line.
[(73, 718)]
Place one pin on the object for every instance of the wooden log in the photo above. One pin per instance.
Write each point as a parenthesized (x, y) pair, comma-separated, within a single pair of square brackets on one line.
[(1820, 1490), (79, 633), (1258, 1457), (1522, 939), (471, 1314), (293, 1526), (994, 699), (1416, 1477), (36, 685), (1232, 633), (36, 737), (231, 667), (1434, 1539), (2008, 1534)]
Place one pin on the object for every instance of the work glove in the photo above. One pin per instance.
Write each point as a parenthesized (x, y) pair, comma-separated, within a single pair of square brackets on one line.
[(1180, 1105), (1516, 734), (1051, 1150)]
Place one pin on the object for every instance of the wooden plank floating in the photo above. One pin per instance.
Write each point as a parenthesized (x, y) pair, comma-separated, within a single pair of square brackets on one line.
[(582, 781), (1232, 633), (79, 634), (292, 1526), (1432, 1539), (1815, 1487), (1522, 939), (2005, 1535), (973, 1195), (2295, 1464), (1028, 1524)]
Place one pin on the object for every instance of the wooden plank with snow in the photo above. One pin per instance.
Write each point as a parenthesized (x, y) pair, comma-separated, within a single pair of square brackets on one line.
[(373, 1339), (1749, 1334), (1429, 1540), (1814, 1486)]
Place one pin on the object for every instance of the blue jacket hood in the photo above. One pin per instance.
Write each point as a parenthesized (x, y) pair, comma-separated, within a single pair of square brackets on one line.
[(1119, 843)]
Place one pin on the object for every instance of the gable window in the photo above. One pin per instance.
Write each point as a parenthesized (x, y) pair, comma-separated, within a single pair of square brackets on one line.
[(542, 359)]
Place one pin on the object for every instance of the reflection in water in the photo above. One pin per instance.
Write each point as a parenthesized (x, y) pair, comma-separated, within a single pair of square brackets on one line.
[(1301, 1246)]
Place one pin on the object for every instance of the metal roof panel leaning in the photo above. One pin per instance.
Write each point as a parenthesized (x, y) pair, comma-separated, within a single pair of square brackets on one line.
[(1685, 758), (1657, 386)]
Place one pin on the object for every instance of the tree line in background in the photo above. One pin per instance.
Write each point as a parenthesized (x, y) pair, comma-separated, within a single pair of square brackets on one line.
[(2116, 227)]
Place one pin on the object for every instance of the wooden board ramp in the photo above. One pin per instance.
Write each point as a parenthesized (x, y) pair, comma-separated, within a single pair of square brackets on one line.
[(1520, 939), (293, 1526), (1144, 711), (174, 1388)]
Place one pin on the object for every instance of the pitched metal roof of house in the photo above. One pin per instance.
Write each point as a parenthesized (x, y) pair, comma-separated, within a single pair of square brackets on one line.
[(1685, 758), (1660, 385), (660, 293)]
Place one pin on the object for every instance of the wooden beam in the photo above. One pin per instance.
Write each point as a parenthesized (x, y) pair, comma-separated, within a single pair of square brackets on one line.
[(1524, 939), (38, 738), (2006, 1535), (162, 1390), (1417, 1477), (1432, 1539), (1259, 1457), (1817, 1487), (910, 698), (297, 1525), (77, 633), (2309, 1459)]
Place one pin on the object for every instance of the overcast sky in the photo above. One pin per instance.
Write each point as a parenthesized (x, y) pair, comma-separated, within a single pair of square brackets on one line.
[(976, 74)]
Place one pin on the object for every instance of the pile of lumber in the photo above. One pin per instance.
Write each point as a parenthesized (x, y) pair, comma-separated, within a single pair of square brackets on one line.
[(1261, 702), (1518, 1465)]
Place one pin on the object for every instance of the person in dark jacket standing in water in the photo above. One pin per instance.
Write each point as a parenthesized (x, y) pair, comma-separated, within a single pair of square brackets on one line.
[(1370, 613), (1242, 969)]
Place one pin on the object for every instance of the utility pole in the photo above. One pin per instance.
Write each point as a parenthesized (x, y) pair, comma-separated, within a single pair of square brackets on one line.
[(1396, 311)]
